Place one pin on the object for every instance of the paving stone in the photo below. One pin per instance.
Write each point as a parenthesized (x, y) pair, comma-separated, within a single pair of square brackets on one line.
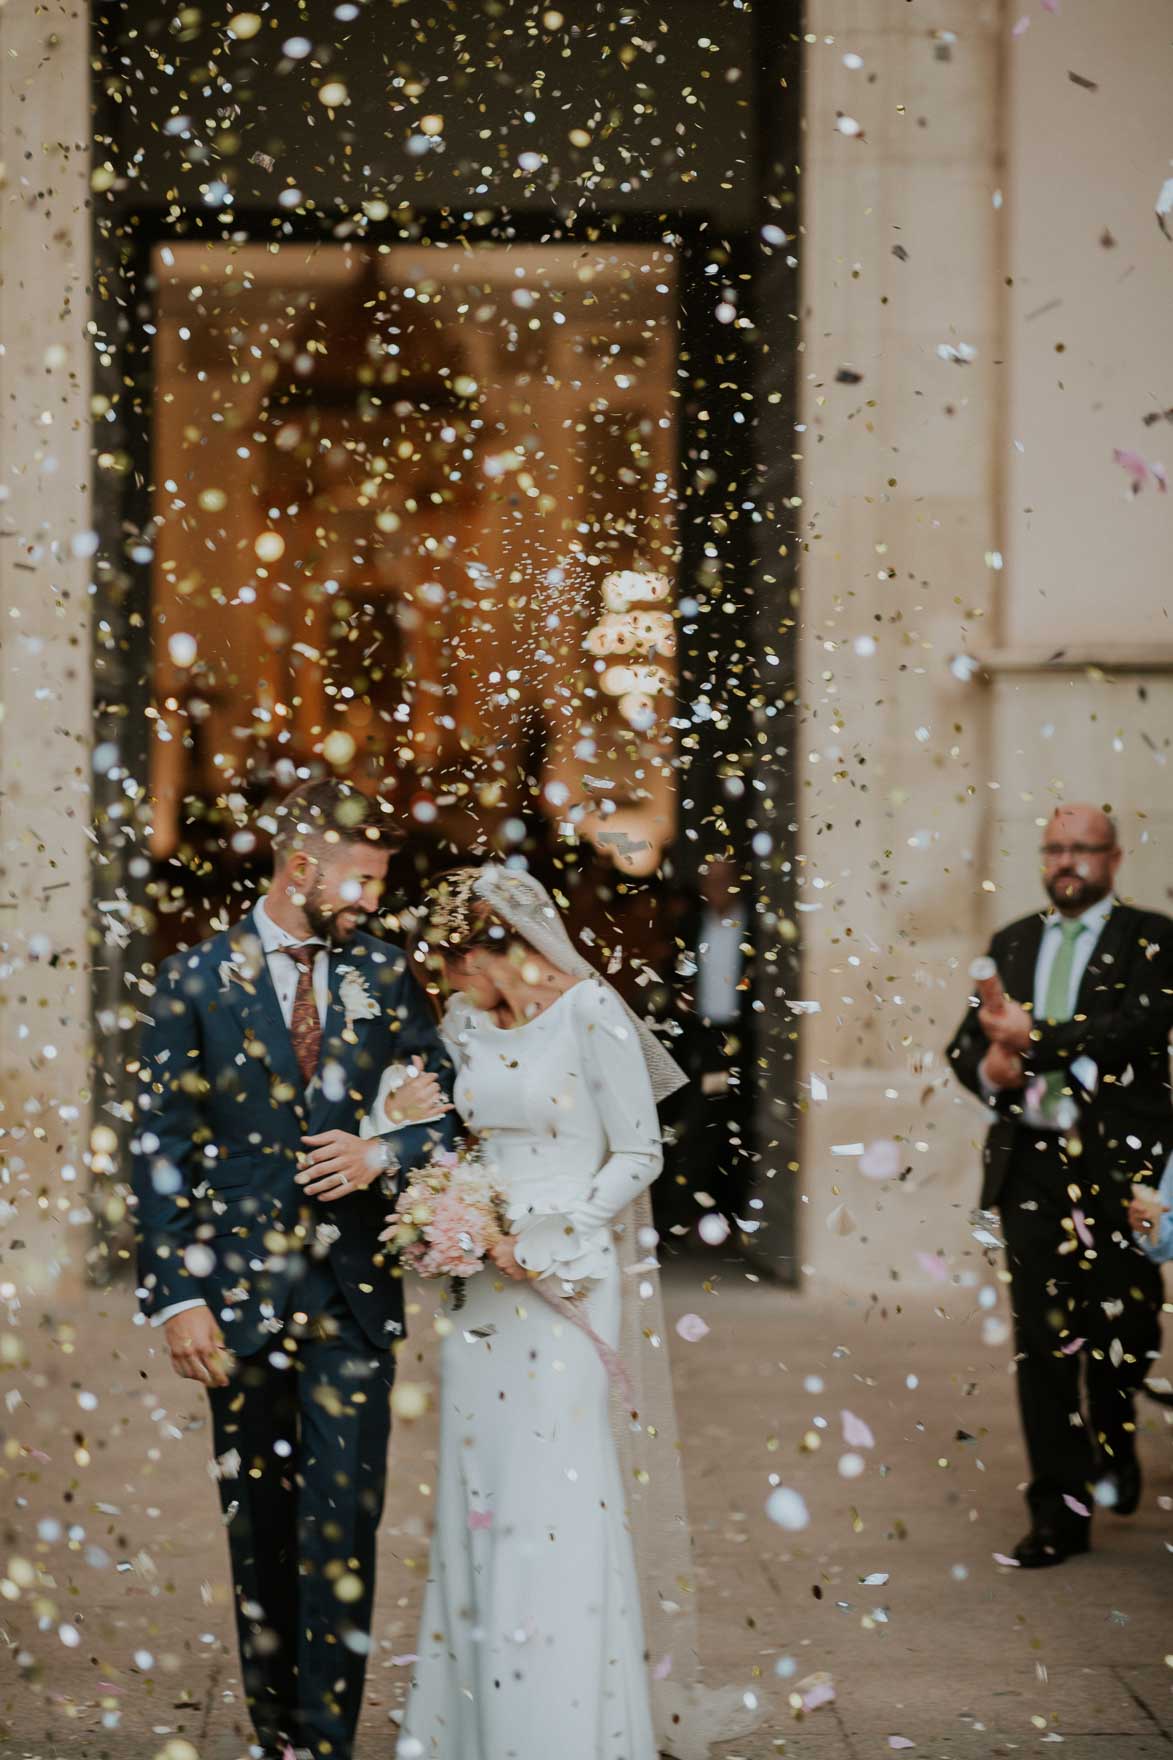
[(951, 1651)]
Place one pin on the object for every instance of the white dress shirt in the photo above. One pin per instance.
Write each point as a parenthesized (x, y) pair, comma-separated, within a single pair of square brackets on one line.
[(719, 964), (1083, 1069), (284, 973)]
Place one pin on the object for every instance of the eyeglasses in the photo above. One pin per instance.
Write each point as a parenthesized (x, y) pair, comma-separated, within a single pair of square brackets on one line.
[(1054, 852)]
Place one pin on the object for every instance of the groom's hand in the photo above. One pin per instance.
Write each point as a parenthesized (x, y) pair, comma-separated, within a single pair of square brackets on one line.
[(338, 1164), (196, 1344)]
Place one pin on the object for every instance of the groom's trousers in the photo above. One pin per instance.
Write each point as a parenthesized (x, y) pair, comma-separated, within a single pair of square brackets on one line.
[(310, 1418), (1078, 1313)]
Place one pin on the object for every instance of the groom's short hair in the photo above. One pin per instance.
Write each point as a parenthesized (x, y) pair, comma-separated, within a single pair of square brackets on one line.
[(329, 811)]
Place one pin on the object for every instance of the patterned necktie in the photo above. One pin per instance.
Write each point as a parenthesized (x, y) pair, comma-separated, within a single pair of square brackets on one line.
[(305, 1026), (1058, 1006)]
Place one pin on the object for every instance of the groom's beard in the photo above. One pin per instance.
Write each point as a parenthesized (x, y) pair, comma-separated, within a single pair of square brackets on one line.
[(323, 919)]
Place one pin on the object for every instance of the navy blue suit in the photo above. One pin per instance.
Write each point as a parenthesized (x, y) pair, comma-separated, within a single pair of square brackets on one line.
[(303, 1290)]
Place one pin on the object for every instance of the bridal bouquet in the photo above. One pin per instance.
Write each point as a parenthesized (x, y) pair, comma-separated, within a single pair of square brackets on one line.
[(447, 1218)]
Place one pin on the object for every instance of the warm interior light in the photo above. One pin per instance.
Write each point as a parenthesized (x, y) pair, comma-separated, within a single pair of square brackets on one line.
[(618, 681), (630, 586)]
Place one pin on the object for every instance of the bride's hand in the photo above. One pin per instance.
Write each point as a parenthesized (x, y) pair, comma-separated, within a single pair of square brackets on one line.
[(418, 1098), (503, 1253)]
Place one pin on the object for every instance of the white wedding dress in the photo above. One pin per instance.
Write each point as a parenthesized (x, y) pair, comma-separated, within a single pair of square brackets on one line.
[(531, 1643)]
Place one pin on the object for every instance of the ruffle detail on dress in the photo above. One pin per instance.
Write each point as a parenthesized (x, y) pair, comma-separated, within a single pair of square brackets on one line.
[(553, 1245)]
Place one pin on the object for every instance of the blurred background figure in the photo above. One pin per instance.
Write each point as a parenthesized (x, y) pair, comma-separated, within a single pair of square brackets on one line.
[(712, 1008)]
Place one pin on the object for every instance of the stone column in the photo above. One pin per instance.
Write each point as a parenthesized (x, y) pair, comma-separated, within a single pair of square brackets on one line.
[(902, 250), (45, 551)]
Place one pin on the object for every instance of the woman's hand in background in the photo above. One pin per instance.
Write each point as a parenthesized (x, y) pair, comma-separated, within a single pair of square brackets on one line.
[(1145, 1210)]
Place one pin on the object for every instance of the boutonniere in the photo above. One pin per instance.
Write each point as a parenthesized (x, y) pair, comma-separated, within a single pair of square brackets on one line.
[(244, 967), (357, 1002)]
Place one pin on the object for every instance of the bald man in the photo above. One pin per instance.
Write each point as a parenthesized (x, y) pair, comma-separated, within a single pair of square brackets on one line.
[(1071, 1056)]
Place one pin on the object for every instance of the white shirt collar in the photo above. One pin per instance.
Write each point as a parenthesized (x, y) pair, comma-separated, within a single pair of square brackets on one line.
[(1093, 918), (274, 938)]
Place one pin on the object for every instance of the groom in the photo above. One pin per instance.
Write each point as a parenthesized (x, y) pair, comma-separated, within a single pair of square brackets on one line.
[(259, 1211)]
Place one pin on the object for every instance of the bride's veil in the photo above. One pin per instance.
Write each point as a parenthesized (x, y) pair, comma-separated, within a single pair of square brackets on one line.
[(688, 1716)]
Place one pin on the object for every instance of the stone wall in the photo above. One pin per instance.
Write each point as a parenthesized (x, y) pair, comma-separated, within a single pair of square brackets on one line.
[(44, 628), (984, 627)]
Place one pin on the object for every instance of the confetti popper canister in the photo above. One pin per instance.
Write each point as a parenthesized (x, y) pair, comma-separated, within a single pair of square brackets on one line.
[(984, 973)]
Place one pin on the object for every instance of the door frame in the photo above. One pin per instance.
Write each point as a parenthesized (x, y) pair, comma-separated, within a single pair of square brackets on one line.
[(710, 405)]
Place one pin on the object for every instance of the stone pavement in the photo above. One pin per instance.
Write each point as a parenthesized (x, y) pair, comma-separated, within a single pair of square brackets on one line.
[(892, 1589)]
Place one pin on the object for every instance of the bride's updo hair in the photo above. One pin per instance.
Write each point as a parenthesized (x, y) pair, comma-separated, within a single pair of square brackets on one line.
[(456, 921)]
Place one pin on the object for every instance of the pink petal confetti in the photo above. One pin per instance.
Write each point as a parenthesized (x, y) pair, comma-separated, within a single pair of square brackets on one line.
[(1050, 5), (662, 1669), (403, 1661), (1080, 1509), (1140, 470), (900, 1742), (1021, 27), (856, 1433), (691, 1328), (816, 1690), (934, 1264), (1001, 1558), (881, 1159), (1081, 1228), (480, 1518), (1073, 1344)]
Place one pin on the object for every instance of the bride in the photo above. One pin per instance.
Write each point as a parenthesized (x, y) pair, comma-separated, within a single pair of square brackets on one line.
[(542, 1629)]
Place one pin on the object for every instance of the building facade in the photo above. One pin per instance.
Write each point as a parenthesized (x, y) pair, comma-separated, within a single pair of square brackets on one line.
[(917, 310)]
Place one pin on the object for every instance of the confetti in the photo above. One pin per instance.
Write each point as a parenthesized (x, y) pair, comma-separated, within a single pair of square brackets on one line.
[(1140, 471), (882, 1159), (856, 1433), (788, 1509), (1165, 206)]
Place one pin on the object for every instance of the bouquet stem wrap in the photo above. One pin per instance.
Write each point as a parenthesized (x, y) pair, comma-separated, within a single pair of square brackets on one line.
[(610, 1358)]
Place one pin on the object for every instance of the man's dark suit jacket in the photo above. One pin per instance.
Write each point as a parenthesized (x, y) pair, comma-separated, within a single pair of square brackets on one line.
[(223, 1112), (1123, 1015)]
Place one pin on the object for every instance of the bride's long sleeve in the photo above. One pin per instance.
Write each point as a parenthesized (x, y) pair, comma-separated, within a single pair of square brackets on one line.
[(574, 1243), (621, 1090)]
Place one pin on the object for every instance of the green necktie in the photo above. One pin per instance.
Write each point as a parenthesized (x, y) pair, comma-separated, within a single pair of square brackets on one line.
[(1058, 1007)]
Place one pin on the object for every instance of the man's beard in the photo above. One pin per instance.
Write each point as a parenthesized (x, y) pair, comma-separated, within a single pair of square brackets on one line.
[(323, 921), (1074, 893)]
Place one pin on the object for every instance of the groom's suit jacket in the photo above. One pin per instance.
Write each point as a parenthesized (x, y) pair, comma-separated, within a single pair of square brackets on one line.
[(223, 1111), (1121, 1022)]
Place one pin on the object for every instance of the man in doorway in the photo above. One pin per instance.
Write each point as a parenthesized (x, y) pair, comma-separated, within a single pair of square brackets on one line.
[(714, 1009), (259, 1212), (1069, 1050)]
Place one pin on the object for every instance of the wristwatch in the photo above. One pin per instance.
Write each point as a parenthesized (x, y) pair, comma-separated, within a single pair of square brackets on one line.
[(388, 1165)]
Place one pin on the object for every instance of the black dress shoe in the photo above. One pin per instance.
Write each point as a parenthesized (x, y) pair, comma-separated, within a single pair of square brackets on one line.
[(1047, 1546)]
